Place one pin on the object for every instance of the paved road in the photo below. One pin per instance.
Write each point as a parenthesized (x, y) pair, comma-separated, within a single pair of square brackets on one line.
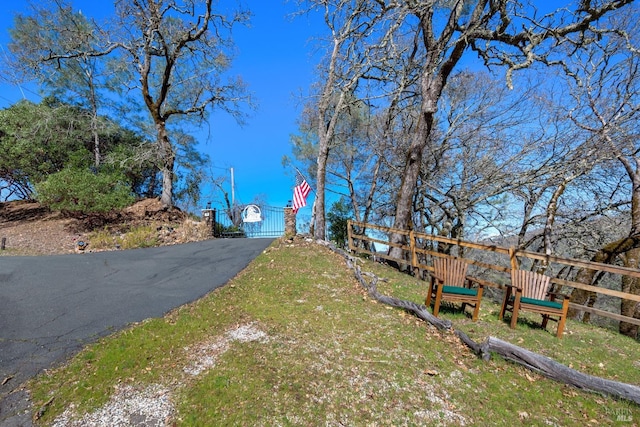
[(51, 306)]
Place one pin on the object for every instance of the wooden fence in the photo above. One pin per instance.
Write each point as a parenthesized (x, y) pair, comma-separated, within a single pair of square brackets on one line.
[(420, 248)]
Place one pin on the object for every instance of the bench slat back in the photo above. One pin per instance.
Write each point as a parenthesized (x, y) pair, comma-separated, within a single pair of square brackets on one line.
[(451, 271), (533, 285)]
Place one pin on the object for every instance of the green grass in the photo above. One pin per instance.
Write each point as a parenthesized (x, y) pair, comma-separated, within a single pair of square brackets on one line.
[(329, 355)]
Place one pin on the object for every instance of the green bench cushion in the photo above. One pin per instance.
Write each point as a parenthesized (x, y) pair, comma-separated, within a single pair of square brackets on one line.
[(541, 303), (457, 290)]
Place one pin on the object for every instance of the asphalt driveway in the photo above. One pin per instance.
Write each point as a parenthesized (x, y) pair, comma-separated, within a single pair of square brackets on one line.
[(51, 306)]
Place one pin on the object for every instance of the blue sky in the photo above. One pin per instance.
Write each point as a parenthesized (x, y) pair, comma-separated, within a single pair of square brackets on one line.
[(276, 59)]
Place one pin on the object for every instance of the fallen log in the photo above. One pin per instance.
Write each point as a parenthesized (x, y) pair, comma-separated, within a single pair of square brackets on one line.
[(482, 349), (559, 372)]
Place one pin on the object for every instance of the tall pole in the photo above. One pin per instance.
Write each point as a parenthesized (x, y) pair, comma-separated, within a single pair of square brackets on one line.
[(233, 191)]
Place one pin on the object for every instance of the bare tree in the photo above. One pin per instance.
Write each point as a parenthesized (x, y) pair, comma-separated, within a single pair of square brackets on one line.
[(356, 43), (606, 94), (475, 156), (177, 51), (503, 33)]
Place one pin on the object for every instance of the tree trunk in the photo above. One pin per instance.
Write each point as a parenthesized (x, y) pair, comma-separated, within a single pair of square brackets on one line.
[(97, 155), (435, 71), (167, 163), (96, 142), (559, 372), (313, 218), (581, 296), (321, 175), (404, 201)]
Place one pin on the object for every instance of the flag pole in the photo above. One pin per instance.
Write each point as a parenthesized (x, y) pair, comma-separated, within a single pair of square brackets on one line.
[(305, 178)]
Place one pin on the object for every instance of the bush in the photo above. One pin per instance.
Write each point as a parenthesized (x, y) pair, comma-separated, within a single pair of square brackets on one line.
[(80, 190)]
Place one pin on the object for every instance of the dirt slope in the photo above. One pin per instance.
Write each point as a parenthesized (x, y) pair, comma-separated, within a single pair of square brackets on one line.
[(30, 229)]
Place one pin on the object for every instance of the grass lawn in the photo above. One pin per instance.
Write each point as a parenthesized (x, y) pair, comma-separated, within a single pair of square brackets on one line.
[(294, 340)]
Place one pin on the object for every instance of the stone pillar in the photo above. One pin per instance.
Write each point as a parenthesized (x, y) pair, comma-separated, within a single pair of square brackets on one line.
[(209, 216), (289, 222)]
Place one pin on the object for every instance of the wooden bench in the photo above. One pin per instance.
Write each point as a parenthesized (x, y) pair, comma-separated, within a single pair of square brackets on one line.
[(529, 291), (451, 283)]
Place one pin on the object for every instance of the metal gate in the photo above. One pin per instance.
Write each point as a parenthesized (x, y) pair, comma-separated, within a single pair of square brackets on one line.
[(246, 221)]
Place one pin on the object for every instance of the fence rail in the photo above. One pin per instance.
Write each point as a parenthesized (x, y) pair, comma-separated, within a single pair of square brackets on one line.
[(363, 235)]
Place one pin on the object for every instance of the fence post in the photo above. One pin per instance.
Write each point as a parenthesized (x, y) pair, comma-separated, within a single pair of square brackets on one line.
[(414, 254), (512, 258)]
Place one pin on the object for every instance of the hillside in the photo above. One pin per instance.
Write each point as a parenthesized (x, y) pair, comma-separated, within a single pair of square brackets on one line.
[(30, 229)]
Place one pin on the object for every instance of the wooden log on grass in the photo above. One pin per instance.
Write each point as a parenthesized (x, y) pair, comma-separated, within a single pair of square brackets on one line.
[(481, 349), (559, 372)]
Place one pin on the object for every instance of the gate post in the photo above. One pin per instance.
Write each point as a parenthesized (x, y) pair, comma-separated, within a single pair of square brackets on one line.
[(208, 216), (289, 222)]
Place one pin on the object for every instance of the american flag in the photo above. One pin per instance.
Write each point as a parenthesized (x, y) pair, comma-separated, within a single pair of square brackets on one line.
[(300, 192)]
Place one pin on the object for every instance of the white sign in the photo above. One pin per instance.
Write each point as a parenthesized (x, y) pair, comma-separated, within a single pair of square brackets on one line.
[(251, 214)]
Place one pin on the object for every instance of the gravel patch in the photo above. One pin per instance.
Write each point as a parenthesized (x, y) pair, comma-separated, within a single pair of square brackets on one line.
[(153, 405), (150, 407)]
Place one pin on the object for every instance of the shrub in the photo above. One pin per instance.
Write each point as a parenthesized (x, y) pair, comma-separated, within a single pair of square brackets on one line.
[(80, 190)]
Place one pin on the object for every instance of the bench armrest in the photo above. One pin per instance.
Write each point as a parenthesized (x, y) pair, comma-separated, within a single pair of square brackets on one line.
[(558, 295), (472, 282), (511, 285)]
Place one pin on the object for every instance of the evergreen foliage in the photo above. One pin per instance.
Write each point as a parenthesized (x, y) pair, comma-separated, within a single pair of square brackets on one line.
[(337, 217), (80, 190), (49, 146)]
